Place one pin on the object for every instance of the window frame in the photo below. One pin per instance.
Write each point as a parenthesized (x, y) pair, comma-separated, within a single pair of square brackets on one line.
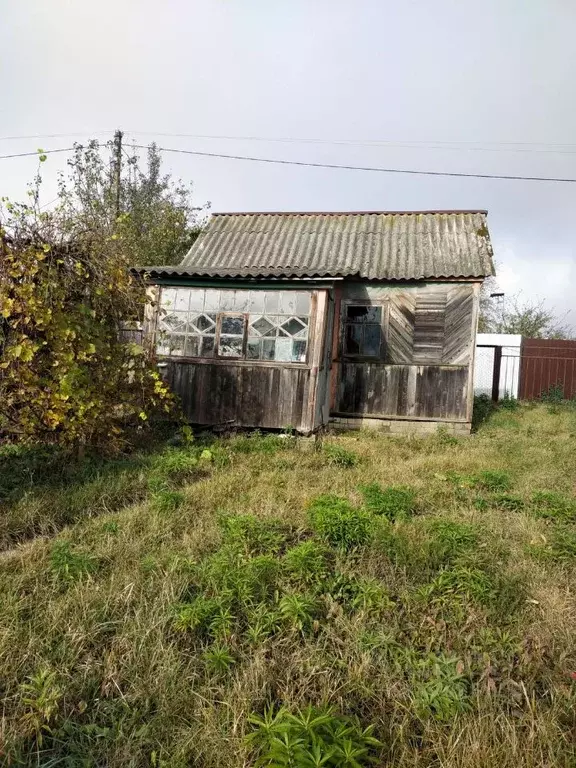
[(384, 325), (217, 358), (219, 318)]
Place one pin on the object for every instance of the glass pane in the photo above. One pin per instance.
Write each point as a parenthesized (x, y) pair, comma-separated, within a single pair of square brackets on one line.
[(242, 301), (197, 299), (283, 350), (168, 298), (372, 335), (253, 349), (192, 347), (174, 321), (272, 301), (162, 347), (204, 323), (232, 325), (262, 325), (303, 334), (257, 301), (353, 340), (288, 302), (227, 301), (361, 313), (212, 300), (302, 303), (207, 346), (268, 349), (182, 299), (230, 346), (177, 345), (299, 351), (292, 326)]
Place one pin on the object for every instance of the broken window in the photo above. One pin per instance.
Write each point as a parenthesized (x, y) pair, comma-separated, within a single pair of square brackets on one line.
[(242, 324), (364, 330)]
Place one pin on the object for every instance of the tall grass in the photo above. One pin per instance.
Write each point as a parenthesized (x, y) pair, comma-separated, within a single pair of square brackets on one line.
[(265, 605)]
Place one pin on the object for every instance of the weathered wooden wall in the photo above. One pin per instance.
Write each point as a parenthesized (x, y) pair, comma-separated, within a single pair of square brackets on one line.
[(243, 393), (247, 395), (426, 373)]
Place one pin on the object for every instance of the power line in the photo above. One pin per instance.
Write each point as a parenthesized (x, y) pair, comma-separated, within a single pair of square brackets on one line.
[(299, 163), (455, 145), (467, 146), (38, 152), (358, 167), (53, 135)]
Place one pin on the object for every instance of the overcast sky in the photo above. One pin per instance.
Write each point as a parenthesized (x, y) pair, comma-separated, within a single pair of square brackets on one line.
[(501, 73)]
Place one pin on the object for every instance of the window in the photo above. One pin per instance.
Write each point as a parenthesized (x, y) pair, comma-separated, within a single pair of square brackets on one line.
[(363, 330), (241, 324)]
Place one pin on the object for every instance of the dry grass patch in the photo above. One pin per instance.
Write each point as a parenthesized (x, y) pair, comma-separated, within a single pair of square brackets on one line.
[(374, 601)]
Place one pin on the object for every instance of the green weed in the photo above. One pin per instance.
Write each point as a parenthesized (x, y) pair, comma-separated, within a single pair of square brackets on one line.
[(298, 611), (553, 506), (560, 546), (308, 561), (339, 523), (41, 696), (256, 442), (394, 502), (69, 564), (337, 456), (251, 535), (165, 501), (484, 407), (449, 540), (509, 403), (311, 737), (493, 480), (440, 690), (218, 659)]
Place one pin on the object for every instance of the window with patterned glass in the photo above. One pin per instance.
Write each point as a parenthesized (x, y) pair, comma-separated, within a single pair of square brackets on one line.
[(243, 324), (364, 330)]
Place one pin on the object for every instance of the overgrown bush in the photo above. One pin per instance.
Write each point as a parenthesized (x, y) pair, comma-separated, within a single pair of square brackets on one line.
[(66, 374)]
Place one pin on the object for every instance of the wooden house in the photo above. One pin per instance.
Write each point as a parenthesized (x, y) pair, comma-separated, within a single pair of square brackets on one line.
[(295, 320)]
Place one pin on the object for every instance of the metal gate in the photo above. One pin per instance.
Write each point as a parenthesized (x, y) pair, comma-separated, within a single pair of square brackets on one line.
[(496, 371)]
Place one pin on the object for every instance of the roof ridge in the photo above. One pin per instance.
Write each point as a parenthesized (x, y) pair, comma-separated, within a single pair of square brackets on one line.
[(348, 213)]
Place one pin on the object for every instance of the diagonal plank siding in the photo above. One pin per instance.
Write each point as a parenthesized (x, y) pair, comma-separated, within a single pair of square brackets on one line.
[(426, 374), (401, 327), (457, 330)]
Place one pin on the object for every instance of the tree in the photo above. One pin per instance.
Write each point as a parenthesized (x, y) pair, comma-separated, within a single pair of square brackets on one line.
[(531, 319), (67, 375), (158, 221)]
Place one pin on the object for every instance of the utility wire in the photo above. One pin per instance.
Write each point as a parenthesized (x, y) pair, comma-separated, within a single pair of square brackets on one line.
[(38, 152), (467, 146), (274, 161), (358, 167), (53, 135)]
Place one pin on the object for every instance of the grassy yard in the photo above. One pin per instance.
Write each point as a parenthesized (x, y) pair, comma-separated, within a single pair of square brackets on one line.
[(257, 601)]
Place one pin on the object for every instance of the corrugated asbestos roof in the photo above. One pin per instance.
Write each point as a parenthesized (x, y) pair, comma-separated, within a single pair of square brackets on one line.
[(369, 245)]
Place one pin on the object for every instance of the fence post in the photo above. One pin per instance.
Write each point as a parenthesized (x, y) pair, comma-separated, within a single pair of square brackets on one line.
[(496, 373)]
